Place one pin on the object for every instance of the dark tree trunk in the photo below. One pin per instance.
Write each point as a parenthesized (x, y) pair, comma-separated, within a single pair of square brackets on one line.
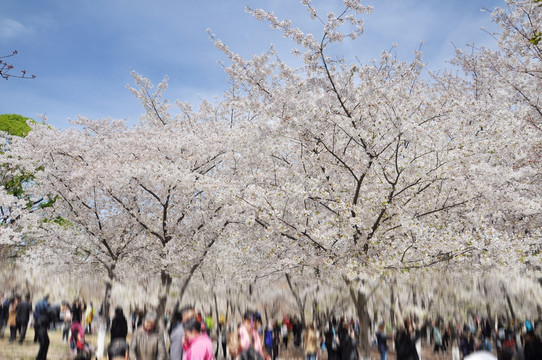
[(509, 302), (166, 281), (300, 303), (361, 302)]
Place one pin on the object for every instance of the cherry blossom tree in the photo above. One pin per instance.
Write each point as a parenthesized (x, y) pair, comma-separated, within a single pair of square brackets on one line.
[(509, 78), (84, 229), (370, 168)]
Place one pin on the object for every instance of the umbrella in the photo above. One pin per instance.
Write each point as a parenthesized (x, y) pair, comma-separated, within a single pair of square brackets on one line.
[(480, 355)]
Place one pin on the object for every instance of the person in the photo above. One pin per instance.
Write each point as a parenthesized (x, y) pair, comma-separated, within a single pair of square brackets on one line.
[(176, 334), (118, 350), (222, 339), (147, 342), (248, 336), (331, 341), (382, 341), (348, 342), (268, 340), (45, 317), (276, 340), (66, 315), (405, 342), (437, 336), (119, 325), (41, 308), (89, 316), (284, 332), (23, 316), (533, 345), (77, 310), (311, 343), (197, 344), (296, 330), (4, 311), (12, 318)]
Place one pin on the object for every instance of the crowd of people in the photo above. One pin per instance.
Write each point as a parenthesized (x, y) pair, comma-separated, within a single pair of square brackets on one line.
[(185, 334)]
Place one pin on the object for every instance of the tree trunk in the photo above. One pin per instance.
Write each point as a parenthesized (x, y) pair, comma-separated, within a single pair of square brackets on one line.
[(166, 281), (299, 302), (509, 302), (360, 302), (216, 309), (414, 296), (195, 266), (107, 302)]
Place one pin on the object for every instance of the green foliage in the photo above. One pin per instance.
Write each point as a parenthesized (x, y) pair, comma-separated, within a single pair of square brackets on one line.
[(14, 124), (537, 36), (14, 185)]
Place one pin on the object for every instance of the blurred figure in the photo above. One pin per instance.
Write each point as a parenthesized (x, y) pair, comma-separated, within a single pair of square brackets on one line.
[(177, 337), (77, 310), (89, 316), (405, 342), (311, 343), (268, 340), (41, 308), (147, 342), (66, 316), (4, 311), (197, 344), (12, 318), (382, 341), (276, 339), (533, 344), (119, 325), (222, 338), (23, 317), (118, 350), (248, 336), (331, 341), (43, 322)]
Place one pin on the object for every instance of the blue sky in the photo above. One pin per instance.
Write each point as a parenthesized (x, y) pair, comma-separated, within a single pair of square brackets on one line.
[(82, 51)]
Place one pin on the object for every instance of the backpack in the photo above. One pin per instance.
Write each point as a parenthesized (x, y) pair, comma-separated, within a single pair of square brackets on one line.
[(268, 339)]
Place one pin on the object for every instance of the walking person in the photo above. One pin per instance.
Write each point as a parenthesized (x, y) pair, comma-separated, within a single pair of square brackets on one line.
[(147, 342), (23, 317), (405, 342), (382, 341), (276, 340), (284, 332), (311, 343), (198, 345), (66, 316), (119, 325), (12, 318), (4, 312), (41, 308), (42, 324)]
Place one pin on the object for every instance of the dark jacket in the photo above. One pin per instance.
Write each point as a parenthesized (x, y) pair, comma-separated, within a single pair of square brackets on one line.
[(533, 347), (23, 313), (405, 346), (119, 327)]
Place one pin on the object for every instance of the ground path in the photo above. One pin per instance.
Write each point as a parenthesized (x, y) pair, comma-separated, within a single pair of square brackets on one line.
[(59, 350)]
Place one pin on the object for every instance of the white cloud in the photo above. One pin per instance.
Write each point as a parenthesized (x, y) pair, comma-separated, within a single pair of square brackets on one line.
[(11, 29)]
